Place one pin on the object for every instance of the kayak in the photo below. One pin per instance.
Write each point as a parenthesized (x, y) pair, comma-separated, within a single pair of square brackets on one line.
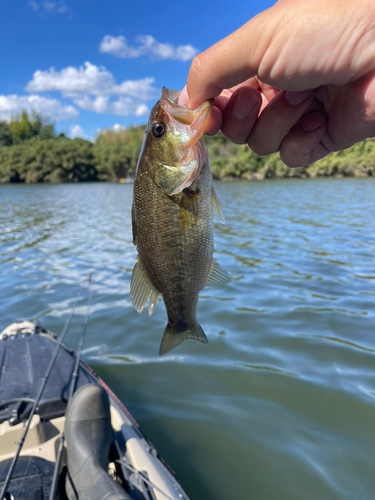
[(80, 440)]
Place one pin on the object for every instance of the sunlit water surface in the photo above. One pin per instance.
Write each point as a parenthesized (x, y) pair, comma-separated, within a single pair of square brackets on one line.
[(281, 403)]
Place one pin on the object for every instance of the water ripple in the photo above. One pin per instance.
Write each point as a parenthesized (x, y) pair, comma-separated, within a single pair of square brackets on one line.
[(284, 389)]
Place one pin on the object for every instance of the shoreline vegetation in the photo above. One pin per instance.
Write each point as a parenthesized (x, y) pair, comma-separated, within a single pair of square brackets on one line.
[(31, 152)]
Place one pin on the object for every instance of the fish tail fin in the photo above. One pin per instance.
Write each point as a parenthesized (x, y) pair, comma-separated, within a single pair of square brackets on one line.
[(173, 338)]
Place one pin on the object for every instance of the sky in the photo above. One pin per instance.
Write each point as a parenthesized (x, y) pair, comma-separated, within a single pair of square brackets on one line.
[(92, 65)]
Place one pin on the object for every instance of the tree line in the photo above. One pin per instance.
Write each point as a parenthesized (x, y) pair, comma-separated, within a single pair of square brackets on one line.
[(31, 152)]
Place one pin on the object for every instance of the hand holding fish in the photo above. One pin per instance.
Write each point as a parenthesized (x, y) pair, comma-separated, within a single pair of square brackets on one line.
[(298, 78), (172, 218)]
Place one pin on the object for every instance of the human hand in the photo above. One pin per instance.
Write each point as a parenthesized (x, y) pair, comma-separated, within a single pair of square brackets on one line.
[(298, 78)]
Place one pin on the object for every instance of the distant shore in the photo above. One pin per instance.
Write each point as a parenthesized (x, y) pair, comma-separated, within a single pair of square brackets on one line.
[(229, 161), (39, 156)]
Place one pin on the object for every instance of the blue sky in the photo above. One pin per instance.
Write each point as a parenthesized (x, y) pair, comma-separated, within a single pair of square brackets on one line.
[(91, 65)]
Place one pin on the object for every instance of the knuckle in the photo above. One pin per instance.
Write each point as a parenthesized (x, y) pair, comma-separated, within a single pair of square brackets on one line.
[(260, 149), (281, 120), (197, 64), (292, 159), (233, 137)]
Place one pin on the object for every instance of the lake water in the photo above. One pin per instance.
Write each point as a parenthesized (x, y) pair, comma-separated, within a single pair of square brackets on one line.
[(281, 403)]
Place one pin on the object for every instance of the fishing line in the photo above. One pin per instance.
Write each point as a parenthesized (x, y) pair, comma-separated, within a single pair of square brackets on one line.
[(72, 386), (145, 479), (37, 399)]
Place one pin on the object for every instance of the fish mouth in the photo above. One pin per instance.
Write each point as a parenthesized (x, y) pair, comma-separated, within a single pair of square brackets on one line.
[(196, 119)]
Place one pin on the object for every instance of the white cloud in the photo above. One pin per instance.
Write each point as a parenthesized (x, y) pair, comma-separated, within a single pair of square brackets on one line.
[(142, 89), (77, 131), (146, 45), (34, 5), (117, 127), (49, 7), (56, 110), (141, 110), (124, 106), (97, 105), (89, 79), (92, 88)]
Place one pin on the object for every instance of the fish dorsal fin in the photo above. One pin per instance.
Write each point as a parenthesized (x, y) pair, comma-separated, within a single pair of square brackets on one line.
[(217, 275), (134, 227), (218, 212), (141, 289)]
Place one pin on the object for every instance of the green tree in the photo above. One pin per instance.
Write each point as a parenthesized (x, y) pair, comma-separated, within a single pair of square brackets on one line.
[(20, 127), (48, 161), (42, 128), (116, 153), (30, 152), (6, 136), (24, 127)]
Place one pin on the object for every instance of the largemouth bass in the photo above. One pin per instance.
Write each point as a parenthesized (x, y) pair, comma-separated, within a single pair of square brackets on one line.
[(172, 218)]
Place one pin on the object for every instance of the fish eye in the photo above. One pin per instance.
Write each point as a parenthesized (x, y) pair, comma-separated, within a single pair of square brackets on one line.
[(158, 129)]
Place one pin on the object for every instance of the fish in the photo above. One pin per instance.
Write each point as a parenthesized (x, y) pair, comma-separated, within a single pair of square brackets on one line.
[(173, 219)]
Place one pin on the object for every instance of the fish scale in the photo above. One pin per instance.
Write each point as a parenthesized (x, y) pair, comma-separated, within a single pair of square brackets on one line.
[(172, 219)]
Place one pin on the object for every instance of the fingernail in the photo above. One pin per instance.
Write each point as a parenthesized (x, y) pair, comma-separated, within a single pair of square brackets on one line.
[(184, 98), (243, 105), (296, 98), (312, 122)]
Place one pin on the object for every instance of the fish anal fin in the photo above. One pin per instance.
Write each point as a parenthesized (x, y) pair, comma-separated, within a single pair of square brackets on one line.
[(141, 288), (218, 212), (217, 275), (153, 299), (173, 338)]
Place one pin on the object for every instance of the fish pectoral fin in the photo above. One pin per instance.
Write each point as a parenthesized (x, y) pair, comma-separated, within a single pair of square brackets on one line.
[(169, 179), (218, 212), (188, 209), (172, 180), (141, 289), (217, 275), (189, 200), (134, 227), (173, 338)]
